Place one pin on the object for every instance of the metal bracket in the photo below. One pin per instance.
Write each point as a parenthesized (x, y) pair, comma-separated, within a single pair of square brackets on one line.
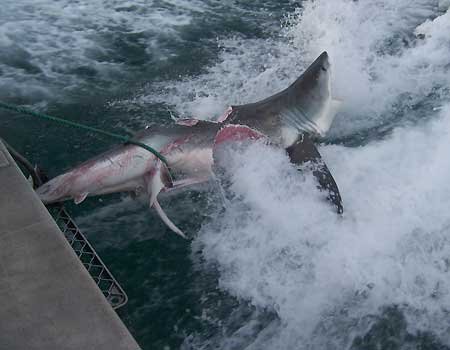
[(110, 288)]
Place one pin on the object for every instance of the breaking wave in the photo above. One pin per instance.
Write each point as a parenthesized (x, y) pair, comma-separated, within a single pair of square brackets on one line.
[(281, 247), (329, 280)]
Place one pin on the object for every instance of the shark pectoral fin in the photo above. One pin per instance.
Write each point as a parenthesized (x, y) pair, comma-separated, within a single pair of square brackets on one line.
[(158, 181), (166, 220), (80, 198), (304, 151)]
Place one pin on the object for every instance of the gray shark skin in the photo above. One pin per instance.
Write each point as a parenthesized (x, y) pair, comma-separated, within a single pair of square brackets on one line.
[(289, 117), (129, 168), (304, 107), (286, 119)]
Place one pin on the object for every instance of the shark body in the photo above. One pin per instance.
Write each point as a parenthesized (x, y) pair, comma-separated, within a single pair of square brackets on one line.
[(287, 119)]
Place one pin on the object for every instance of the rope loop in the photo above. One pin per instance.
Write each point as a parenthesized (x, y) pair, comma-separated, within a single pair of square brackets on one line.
[(122, 138)]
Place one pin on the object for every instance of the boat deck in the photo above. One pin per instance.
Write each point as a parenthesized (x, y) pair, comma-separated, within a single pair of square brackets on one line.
[(48, 299)]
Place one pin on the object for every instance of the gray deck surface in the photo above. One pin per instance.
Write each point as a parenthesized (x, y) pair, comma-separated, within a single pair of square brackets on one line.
[(47, 299)]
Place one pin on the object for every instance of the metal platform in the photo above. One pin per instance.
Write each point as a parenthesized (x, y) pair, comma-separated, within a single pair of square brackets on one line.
[(110, 288), (49, 300)]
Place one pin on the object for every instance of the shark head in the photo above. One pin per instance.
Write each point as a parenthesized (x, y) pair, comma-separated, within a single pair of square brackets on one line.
[(305, 106), (316, 108)]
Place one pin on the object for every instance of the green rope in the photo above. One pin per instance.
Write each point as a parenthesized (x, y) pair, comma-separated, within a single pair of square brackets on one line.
[(122, 138)]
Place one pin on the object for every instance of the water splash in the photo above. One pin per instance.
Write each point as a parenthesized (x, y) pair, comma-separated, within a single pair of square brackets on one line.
[(281, 248)]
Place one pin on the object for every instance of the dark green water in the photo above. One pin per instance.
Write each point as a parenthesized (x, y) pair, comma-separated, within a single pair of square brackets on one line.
[(166, 293)]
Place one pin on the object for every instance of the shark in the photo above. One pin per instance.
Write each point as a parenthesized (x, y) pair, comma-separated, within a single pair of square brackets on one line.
[(289, 119)]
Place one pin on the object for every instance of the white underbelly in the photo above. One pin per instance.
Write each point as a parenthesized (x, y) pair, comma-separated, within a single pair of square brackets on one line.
[(193, 163)]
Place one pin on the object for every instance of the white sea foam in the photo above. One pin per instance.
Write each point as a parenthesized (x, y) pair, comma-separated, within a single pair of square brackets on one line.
[(279, 245), (56, 47), (50, 45), (283, 248), (248, 70), (377, 60), (379, 65)]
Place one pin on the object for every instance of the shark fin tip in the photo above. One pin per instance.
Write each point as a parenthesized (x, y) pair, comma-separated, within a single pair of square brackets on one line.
[(166, 219), (80, 198)]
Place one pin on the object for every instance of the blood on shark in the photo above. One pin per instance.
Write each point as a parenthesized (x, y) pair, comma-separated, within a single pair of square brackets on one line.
[(287, 119)]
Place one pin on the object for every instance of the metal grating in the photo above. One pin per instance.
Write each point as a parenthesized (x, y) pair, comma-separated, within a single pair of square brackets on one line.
[(110, 288)]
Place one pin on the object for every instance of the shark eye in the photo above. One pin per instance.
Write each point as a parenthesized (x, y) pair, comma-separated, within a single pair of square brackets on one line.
[(324, 69)]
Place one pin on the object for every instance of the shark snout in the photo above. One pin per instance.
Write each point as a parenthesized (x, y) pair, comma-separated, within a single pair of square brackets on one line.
[(323, 61)]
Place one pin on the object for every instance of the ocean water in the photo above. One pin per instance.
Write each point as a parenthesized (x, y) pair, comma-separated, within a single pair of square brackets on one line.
[(272, 267)]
